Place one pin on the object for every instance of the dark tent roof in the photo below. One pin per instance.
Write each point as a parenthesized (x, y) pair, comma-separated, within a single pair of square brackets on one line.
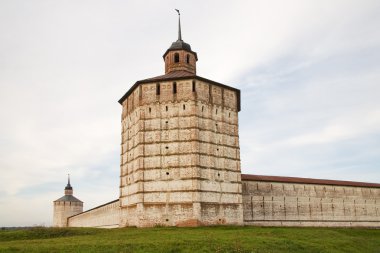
[(69, 198), (180, 45)]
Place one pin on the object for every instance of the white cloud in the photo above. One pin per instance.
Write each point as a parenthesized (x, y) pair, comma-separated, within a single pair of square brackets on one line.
[(341, 130)]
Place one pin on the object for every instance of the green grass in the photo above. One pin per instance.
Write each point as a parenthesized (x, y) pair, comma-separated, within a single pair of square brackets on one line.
[(205, 239)]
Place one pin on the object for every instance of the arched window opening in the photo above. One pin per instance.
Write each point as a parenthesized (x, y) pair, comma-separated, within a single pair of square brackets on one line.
[(174, 88), (176, 57), (166, 108), (184, 107), (158, 89), (187, 58), (193, 86)]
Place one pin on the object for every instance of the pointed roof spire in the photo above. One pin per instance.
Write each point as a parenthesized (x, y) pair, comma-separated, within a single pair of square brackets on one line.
[(68, 186), (179, 25), (180, 44)]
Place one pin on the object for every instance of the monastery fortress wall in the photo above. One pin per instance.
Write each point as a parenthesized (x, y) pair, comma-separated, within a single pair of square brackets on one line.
[(180, 165), (279, 201), (104, 216)]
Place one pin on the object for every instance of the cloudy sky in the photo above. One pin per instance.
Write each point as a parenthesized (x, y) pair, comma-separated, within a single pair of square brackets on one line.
[(309, 73)]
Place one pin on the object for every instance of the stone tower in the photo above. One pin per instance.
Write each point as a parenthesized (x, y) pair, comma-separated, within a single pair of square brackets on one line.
[(66, 206), (180, 156)]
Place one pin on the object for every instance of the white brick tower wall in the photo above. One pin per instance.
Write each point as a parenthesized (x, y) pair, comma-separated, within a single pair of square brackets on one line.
[(180, 162)]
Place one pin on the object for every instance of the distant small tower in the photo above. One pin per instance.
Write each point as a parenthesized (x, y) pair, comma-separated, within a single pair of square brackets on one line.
[(66, 206)]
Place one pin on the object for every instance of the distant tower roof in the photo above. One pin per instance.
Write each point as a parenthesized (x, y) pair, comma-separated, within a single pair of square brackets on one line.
[(70, 198), (68, 193), (180, 44)]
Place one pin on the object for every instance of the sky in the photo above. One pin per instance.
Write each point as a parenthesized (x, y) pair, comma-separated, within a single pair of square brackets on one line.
[(308, 71)]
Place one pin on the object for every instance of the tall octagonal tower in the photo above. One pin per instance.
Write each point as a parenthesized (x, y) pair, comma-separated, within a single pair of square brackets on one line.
[(180, 156)]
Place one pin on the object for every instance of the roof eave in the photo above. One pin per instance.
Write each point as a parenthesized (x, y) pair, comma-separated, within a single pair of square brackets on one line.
[(300, 180), (73, 200)]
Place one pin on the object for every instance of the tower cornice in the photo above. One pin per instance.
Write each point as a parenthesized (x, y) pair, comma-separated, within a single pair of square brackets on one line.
[(179, 75)]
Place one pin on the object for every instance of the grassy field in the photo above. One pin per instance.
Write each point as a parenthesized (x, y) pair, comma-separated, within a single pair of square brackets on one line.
[(206, 239)]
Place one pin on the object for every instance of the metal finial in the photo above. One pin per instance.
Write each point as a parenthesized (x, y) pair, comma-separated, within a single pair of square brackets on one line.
[(179, 25), (68, 179)]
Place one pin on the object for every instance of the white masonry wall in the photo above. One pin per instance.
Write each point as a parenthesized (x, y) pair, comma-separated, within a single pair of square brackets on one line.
[(295, 204), (105, 216)]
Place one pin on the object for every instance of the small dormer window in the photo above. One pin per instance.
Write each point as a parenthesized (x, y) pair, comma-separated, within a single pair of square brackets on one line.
[(176, 57), (187, 58)]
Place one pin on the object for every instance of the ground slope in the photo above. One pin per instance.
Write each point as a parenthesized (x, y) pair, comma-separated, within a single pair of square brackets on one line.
[(205, 239)]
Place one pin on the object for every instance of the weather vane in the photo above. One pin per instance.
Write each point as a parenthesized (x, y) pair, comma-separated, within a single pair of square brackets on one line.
[(179, 25)]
